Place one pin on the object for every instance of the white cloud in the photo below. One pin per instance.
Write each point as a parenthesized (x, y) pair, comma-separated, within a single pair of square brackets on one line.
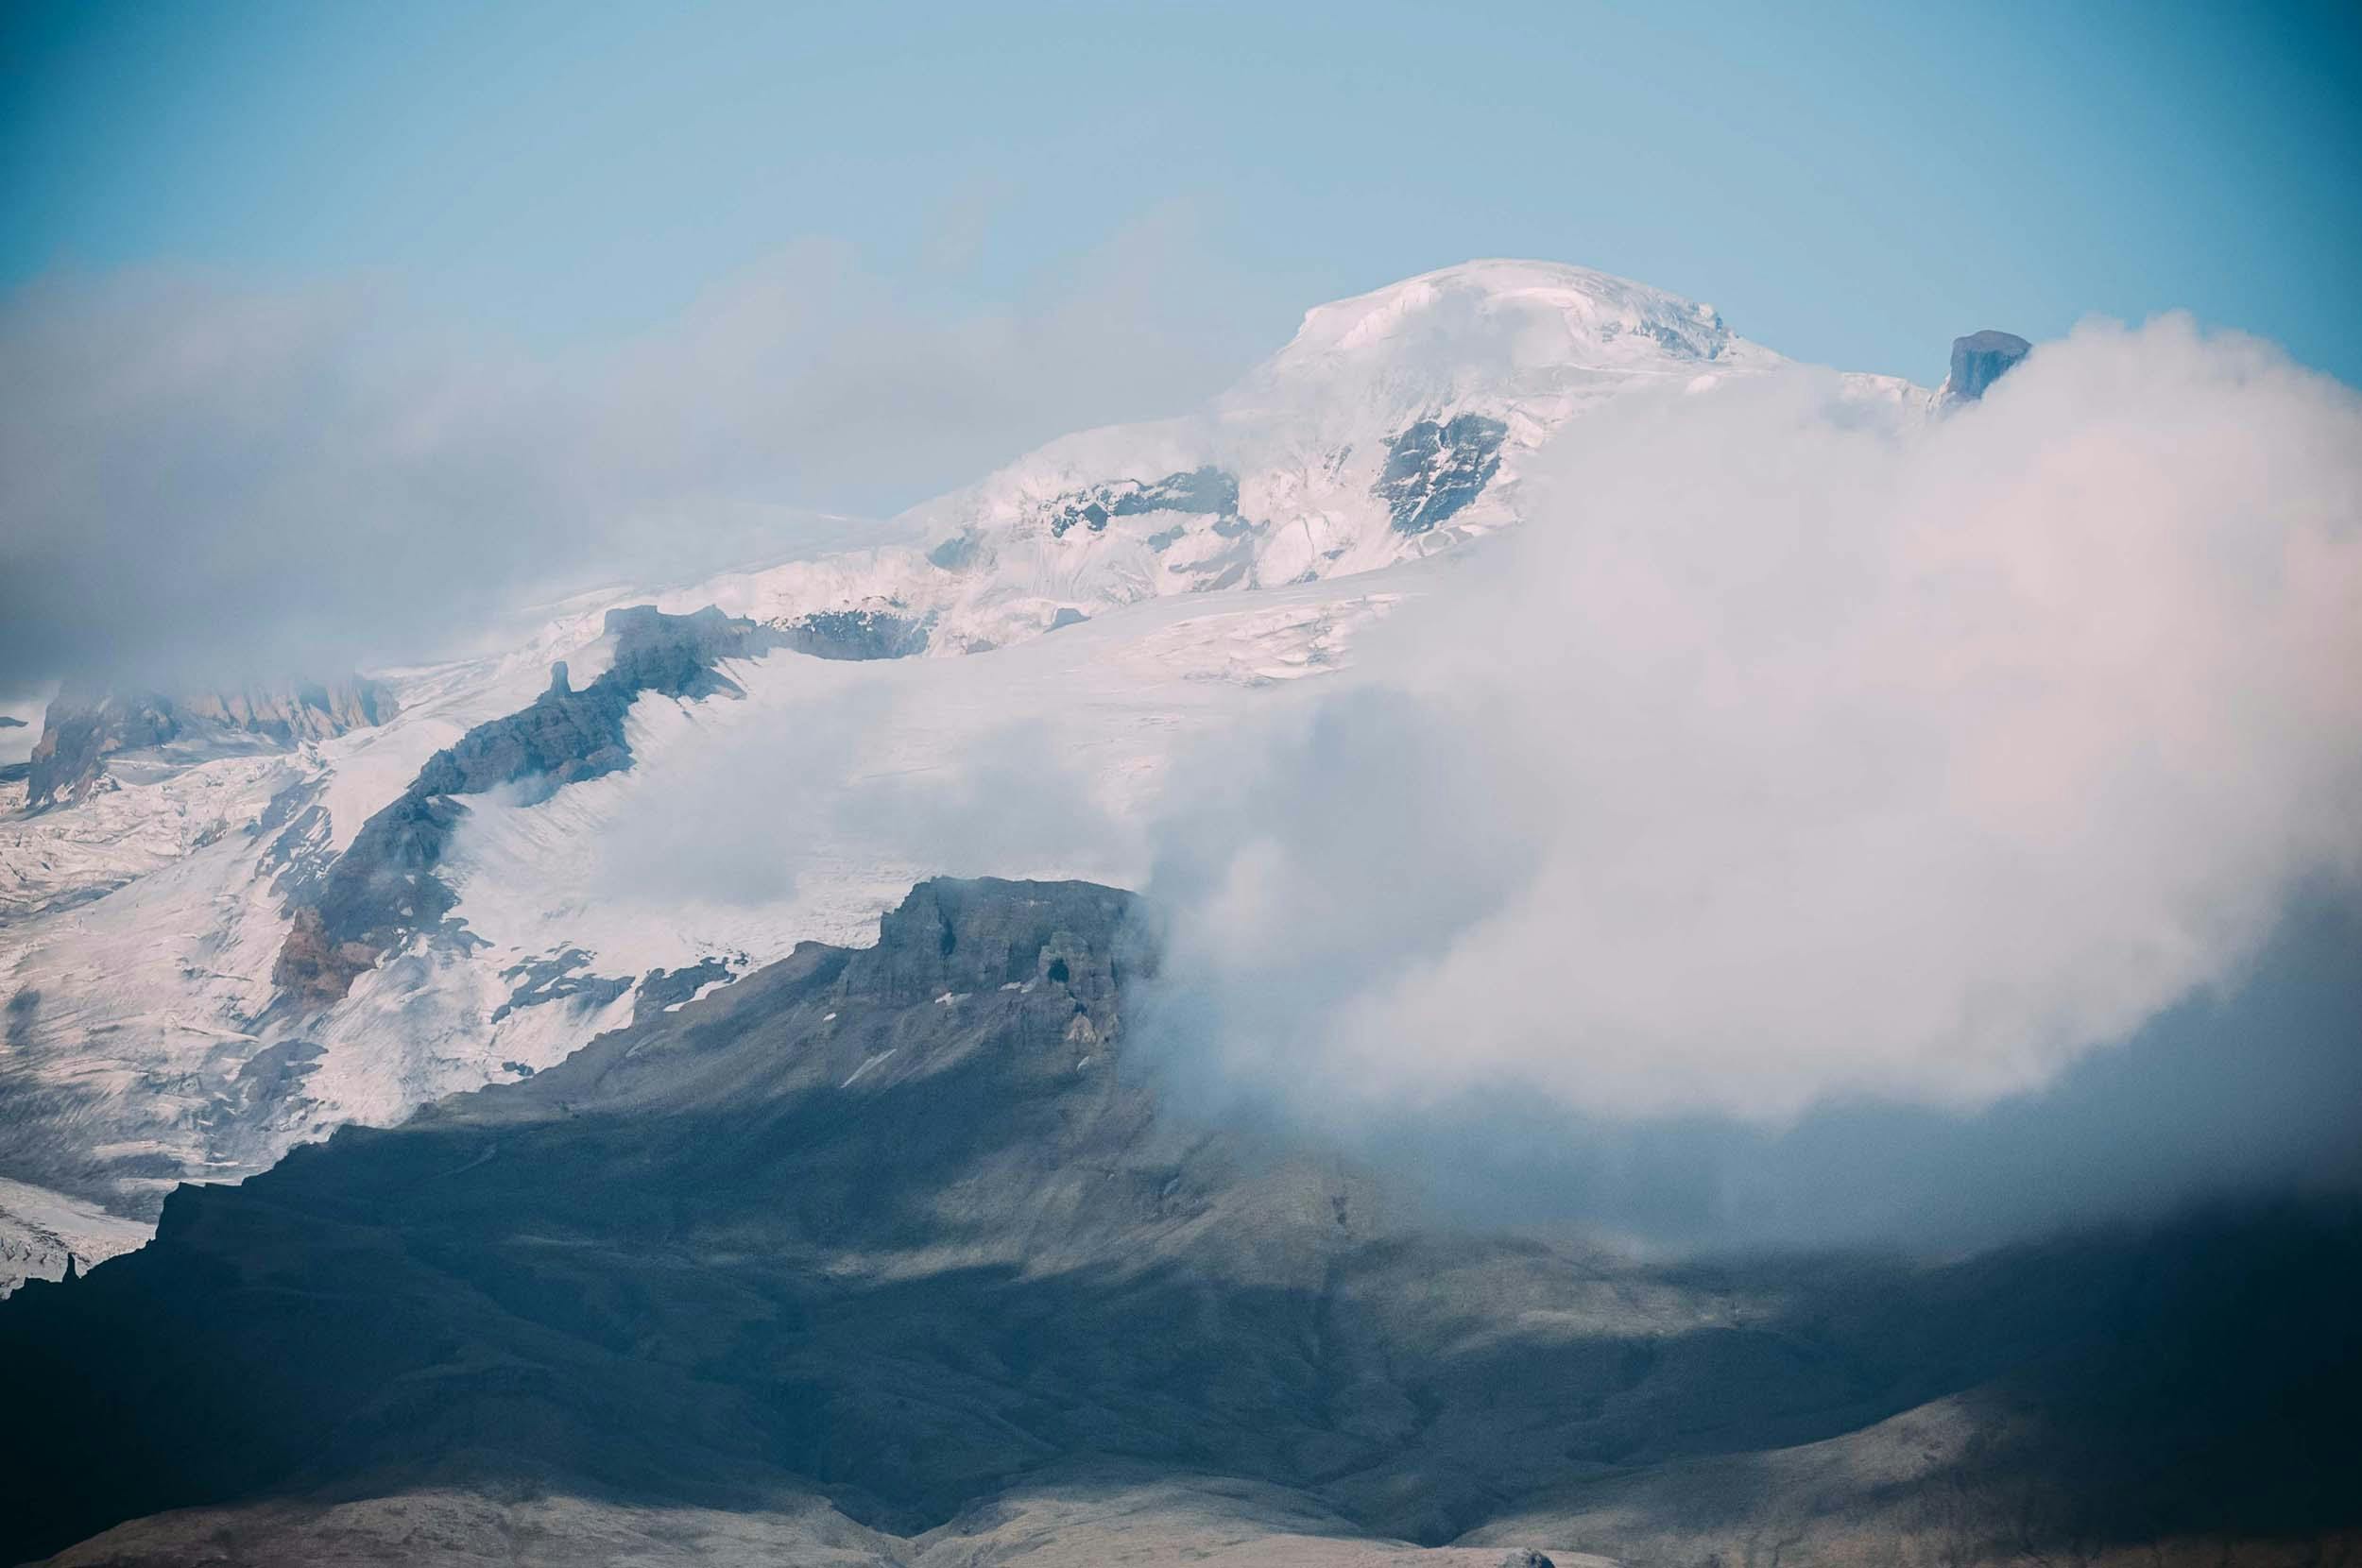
[(875, 772), (1798, 750), (201, 483)]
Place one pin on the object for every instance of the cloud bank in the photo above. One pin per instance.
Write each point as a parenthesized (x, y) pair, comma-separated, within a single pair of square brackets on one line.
[(877, 772), (201, 483), (1802, 753)]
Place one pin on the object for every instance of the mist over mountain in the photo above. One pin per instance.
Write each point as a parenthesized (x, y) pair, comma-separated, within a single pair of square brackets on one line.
[(1343, 785), (1729, 958), (877, 1251), (211, 485), (1801, 747)]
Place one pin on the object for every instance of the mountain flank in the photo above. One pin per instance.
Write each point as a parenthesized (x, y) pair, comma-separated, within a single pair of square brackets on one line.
[(883, 1249)]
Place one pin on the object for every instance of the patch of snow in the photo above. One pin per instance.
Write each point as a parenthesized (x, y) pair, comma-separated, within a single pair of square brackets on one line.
[(40, 1231), (865, 1067)]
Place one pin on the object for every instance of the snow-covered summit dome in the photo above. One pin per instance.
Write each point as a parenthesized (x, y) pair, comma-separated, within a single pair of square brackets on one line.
[(1530, 341), (1394, 423), (1542, 312)]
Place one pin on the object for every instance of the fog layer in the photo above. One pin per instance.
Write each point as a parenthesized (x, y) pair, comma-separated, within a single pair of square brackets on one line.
[(201, 483), (1802, 752)]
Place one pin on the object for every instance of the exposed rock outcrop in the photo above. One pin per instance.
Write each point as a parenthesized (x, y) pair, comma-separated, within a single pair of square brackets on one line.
[(82, 728), (1435, 469), (384, 887), (867, 631), (1979, 359), (663, 988), (1202, 492), (295, 713), (79, 732)]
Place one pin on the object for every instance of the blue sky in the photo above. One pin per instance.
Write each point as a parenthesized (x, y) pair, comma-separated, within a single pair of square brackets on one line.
[(1849, 184)]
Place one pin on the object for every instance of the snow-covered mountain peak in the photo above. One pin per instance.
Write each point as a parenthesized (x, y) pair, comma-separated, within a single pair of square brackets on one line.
[(1528, 313), (1500, 332), (1393, 424)]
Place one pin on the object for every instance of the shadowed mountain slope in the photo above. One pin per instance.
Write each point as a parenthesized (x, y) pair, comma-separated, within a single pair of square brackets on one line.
[(903, 1229)]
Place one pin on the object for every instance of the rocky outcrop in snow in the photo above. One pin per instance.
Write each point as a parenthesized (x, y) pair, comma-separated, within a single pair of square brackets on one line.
[(1979, 359), (82, 729), (385, 887), (1433, 470)]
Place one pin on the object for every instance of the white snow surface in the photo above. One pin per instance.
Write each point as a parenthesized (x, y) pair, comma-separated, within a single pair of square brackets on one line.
[(138, 927), (1305, 434), (41, 1230)]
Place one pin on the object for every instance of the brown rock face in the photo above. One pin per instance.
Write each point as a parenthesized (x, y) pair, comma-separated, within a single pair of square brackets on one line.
[(78, 734), (299, 713), (82, 729), (314, 968)]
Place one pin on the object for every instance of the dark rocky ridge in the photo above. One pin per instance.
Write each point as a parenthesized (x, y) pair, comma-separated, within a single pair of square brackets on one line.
[(1435, 469), (1980, 359), (384, 887), (564, 977), (81, 729), (663, 988), (1206, 490), (905, 1227), (866, 631)]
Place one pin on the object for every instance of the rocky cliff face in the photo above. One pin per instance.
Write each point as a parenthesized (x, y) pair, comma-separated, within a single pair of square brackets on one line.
[(79, 733), (291, 714), (1979, 359), (1434, 469), (82, 729), (902, 1239), (384, 887)]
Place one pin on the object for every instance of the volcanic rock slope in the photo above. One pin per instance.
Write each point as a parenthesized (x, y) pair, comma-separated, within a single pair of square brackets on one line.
[(221, 941), (894, 1255)]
